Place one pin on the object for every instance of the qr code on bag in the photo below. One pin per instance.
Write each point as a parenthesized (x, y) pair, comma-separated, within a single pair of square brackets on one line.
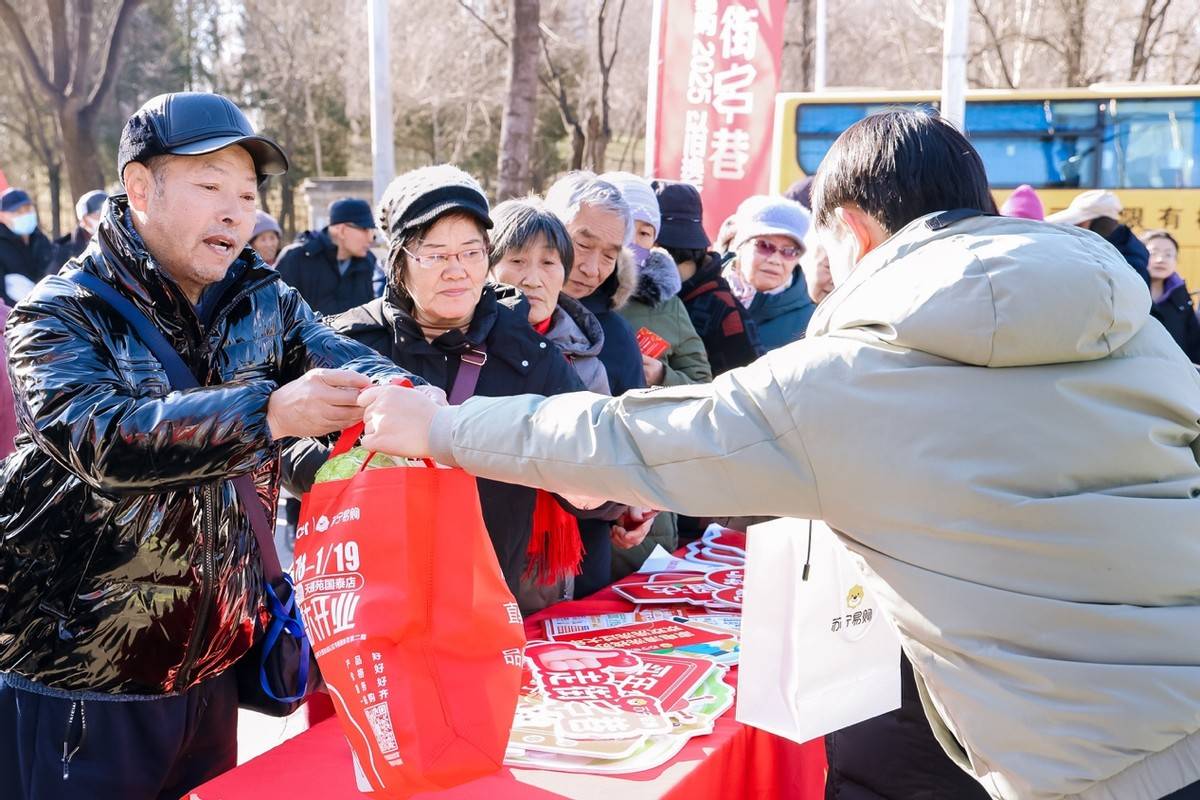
[(380, 720)]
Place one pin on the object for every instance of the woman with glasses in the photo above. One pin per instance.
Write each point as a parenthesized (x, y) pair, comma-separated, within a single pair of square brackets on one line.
[(766, 275), (440, 319)]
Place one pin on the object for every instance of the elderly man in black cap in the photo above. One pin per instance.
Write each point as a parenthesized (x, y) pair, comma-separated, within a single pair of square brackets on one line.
[(334, 268), (130, 579)]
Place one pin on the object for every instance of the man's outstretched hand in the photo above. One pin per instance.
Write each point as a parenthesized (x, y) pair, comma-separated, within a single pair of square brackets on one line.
[(320, 401), (397, 420)]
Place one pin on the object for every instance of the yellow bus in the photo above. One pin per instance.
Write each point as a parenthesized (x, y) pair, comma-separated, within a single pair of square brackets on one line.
[(1139, 141)]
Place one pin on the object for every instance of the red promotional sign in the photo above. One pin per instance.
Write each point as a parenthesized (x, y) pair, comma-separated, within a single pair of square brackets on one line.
[(715, 69)]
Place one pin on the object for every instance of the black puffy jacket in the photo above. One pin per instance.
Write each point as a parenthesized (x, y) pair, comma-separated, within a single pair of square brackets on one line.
[(127, 565), (311, 266), (519, 361)]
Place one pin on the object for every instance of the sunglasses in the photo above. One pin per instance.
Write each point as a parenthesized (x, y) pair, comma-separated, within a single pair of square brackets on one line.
[(767, 249)]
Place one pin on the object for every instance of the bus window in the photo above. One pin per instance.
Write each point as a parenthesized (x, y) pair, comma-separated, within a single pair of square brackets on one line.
[(819, 124), (1063, 162), (1033, 117), (1152, 144)]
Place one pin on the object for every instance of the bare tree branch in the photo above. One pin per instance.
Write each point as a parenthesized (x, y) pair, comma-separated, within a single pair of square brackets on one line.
[(990, 27), (83, 48), (112, 58), (25, 49), (491, 28), (60, 54)]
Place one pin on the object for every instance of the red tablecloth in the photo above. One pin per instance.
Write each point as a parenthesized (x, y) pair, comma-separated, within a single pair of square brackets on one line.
[(734, 761)]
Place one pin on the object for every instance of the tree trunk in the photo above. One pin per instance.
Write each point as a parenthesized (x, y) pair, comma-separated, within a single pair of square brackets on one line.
[(287, 209), (578, 144), (520, 106), (79, 149), (597, 141), (54, 178)]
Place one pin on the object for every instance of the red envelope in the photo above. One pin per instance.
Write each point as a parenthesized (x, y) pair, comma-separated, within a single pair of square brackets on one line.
[(651, 344)]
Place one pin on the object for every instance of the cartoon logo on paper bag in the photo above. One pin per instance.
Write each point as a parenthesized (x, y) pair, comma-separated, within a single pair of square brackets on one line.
[(856, 618)]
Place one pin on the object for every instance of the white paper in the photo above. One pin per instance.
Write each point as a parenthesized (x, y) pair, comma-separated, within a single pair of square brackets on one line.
[(662, 561), (802, 673)]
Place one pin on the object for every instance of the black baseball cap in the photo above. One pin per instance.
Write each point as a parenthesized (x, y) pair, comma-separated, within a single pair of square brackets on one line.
[(192, 124)]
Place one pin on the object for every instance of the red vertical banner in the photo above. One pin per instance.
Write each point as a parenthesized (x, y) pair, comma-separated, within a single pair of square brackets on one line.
[(715, 70)]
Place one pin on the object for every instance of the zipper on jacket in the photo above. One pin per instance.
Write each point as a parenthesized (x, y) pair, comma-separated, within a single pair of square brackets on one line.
[(209, 527), (208, 567)]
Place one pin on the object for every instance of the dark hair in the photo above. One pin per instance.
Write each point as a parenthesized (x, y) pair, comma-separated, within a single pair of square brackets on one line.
[(801, 192), (899, 165), (1150, 235), (683, 254), (1103, 226), (519, 223)]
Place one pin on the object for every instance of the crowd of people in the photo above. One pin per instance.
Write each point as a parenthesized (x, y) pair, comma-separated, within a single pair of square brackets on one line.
[(143, 593)]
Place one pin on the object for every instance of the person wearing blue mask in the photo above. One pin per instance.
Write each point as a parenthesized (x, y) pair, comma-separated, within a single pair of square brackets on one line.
[(26, 255)]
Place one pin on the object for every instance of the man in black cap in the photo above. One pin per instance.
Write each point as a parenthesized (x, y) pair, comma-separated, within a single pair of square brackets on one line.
[(729, 335), (87, 211), (26, 255), (334, 268), (129, 575)]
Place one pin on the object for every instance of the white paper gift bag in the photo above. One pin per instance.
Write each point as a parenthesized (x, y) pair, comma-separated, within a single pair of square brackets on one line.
[(817, 655)]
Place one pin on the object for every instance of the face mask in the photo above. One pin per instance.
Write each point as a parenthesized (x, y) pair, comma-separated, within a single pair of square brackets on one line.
[(90, 223), (25, 224), (640, 254)]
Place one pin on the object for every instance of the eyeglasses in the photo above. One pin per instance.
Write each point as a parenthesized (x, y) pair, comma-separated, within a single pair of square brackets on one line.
[(768, 249), (475, 257)]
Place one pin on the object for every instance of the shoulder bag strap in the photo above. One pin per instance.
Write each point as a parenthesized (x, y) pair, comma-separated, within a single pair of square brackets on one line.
[(470, 364)]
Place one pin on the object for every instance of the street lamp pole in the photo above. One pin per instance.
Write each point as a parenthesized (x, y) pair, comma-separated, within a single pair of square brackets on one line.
[(954, 63), (383, 155)]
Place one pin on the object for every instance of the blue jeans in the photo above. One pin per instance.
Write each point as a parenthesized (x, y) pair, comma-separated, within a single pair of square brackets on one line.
[(53, 748)]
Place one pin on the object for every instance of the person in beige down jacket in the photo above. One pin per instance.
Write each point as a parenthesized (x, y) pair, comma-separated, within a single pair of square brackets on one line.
[(989, 417)]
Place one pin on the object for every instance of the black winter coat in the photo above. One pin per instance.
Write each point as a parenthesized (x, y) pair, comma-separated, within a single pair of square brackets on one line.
[(620, 354), (519, 361), (22, 264), (1177, 314), (127, 565), (70, 246), (310, 265), (1132, 248), (729, 334)]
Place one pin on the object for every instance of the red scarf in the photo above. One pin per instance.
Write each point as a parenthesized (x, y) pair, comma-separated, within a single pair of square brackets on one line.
[(543, 327), (555, 549)]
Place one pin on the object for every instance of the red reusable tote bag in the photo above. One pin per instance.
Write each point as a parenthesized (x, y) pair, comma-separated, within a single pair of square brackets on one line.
[(417, 636)]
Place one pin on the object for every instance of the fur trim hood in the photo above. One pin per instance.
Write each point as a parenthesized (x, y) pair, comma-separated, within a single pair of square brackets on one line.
[(658, 279), (621, 285)]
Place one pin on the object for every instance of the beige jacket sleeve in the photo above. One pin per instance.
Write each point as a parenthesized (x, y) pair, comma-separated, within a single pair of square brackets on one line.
[(728, 448)]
